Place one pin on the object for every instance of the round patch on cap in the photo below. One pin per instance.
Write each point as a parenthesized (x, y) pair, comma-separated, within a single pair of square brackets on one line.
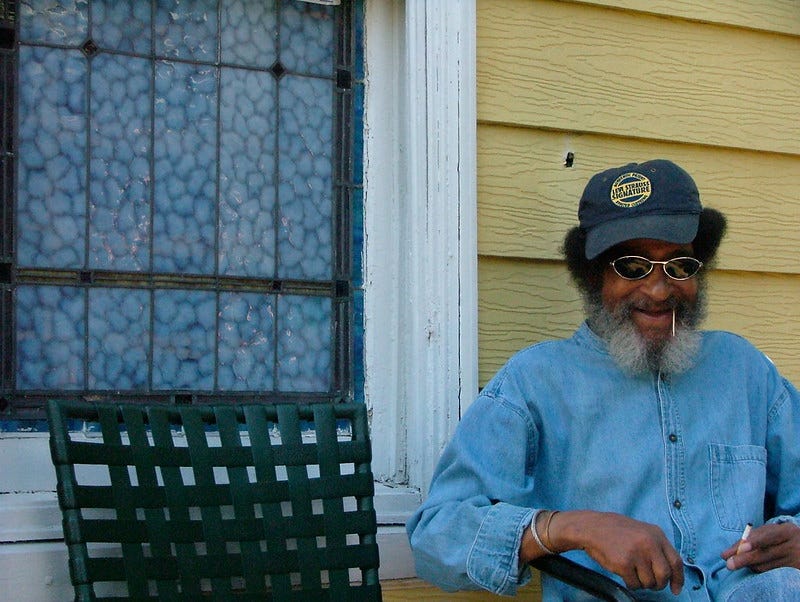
[(630, 189)]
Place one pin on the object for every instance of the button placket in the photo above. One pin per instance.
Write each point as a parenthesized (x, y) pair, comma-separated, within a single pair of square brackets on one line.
[(674, 467)]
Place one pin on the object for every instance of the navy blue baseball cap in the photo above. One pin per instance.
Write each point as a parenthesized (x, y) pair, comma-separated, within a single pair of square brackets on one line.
[(656, 199)]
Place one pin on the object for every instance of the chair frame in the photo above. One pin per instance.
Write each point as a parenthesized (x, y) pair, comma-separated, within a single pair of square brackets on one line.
[(583, 578), (218, 502)]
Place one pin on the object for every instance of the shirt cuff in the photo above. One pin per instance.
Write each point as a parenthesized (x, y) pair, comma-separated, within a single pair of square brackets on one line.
[(493, 561)]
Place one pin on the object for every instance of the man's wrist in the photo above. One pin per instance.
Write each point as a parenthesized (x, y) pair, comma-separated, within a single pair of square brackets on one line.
[(548, 542), (547, 516)]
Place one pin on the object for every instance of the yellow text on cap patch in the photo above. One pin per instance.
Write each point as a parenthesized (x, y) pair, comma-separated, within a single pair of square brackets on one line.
[(630, 189)]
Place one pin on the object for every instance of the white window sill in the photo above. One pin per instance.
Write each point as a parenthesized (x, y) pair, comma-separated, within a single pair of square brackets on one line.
[(35, 516)]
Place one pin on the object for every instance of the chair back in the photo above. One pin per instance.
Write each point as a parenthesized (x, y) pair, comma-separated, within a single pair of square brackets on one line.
[(217, 502)]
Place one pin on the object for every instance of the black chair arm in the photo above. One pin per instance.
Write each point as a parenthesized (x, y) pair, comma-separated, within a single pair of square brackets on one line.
[(583, 578)]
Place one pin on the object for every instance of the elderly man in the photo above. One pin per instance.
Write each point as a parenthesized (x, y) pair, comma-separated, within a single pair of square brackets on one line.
[(641, 446)]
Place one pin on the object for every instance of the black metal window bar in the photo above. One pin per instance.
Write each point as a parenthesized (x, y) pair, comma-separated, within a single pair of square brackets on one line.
[(236, 308)]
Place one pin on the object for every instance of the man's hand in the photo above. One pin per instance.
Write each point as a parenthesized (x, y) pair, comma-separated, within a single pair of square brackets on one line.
[(767, 547), (638, 552)]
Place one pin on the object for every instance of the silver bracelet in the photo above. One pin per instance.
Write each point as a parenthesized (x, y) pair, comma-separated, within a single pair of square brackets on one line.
[(544, 548)]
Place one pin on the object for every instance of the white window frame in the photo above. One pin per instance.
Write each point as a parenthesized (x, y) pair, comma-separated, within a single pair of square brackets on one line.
[(420, 248), (420, 258), (420, 333)]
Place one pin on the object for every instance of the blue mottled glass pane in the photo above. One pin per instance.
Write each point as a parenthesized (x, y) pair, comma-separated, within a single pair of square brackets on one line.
[(50, 336), (120, 164), (24, 426), (51, 200), (359, 36), (185, 168), (53, 21), (119, 340), (194, 168), (247, 168), (304, 343), (123, 25), (248, 32), (306, 178), (186, 29), (246, 342), (184, 328), (307, 38)]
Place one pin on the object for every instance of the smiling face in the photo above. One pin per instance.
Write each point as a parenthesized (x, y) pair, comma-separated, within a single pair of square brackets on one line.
[(649, 303)]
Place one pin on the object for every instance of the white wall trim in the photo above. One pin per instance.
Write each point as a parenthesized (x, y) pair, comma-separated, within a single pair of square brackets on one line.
[(420, 230)]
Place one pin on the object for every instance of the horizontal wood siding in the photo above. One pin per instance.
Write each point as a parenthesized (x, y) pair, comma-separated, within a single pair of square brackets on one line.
[(780, 16), (561, 65), (521, 302), (714, 87)]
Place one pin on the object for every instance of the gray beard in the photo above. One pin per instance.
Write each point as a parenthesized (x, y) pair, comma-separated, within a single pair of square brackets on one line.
[(636, 355)]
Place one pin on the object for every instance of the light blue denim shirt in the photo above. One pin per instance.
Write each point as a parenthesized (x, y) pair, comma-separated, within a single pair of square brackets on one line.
[(561, 427)]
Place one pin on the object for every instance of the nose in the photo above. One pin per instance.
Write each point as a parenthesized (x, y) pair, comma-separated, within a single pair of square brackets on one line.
[(657, 285)]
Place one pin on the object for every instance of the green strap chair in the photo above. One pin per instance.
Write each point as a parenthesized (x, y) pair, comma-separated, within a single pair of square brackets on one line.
[(222, 502)]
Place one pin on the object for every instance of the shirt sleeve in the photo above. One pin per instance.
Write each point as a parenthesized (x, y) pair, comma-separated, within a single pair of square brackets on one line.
[(467, 533), (783, 455)]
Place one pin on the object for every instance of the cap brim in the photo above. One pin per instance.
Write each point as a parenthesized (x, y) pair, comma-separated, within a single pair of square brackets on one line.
[(679, 229)]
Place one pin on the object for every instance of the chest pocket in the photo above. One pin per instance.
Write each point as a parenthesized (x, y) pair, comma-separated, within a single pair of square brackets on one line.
[(738, 484)]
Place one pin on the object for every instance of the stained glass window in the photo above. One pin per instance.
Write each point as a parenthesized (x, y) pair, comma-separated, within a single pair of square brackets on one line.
[(181, 182)]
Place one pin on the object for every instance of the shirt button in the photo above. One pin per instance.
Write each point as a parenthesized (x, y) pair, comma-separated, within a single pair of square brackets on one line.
[(677, 504), (673, 437)]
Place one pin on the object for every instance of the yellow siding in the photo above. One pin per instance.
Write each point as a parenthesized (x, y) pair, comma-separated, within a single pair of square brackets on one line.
[(579, 67), (521, 302), (774, 15), (764, 309), (713, 87)]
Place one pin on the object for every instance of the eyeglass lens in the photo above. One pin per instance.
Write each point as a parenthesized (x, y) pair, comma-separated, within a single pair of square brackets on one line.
[(634, 267)]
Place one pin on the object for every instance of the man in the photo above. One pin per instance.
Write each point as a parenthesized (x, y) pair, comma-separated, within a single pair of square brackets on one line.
[(640, 446)]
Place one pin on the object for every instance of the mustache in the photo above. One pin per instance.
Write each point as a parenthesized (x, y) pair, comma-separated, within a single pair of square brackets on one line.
[(688, 314), (645, 305)]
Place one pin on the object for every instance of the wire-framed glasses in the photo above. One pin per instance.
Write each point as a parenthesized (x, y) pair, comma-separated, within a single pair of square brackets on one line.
[(634, 267)]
